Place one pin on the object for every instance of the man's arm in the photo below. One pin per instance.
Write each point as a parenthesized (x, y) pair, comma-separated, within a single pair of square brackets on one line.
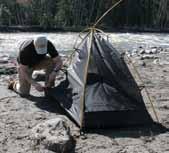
[(24, 71), (57, 66), (57, 62)]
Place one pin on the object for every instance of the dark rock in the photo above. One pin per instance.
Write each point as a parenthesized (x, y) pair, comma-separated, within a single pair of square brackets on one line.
[(8, 71), (142, 51), (148, 57)]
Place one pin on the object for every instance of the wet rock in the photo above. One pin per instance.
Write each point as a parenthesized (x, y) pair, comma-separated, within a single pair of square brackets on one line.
[(54, 135), (133, 54), (165, 71), (128, 54), (154, 51), (142, 51), (8, 70), (156, 61), (134, 51), (4, 60), (148, 51), (166, 50), (148, 57), (160, 49)]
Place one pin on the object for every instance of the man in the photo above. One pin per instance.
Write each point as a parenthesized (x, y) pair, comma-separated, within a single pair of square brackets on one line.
[(36, 54)]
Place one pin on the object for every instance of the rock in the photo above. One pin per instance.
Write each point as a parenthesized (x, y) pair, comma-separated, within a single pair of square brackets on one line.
[(38, 75), (154, 51), (142, 63), (128, 54), (133, 54), (166, 50), (53, 135), (134, 51), (164, 71), (156, 61), (4, 60), (148, 57), (8, 70), (142, 51), (160, 49), (148, 51)]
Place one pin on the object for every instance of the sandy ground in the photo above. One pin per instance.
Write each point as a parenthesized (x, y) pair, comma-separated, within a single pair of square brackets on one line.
[(19, 115)]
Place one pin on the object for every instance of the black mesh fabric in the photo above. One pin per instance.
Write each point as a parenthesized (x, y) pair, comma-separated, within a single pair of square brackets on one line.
[(112, 97)]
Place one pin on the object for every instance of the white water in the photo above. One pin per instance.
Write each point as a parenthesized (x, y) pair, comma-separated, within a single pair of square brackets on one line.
[(65, 41)]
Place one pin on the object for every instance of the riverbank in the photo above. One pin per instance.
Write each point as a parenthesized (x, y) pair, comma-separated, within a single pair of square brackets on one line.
[(19, 115), (14, 29)]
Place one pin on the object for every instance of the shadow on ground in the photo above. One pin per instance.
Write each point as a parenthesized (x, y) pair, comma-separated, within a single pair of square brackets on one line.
[(50, 106), (118, 132), (132, 132), (46, 104)]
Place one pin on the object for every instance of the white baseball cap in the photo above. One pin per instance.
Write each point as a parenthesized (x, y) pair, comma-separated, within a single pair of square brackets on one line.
[(40, 44)]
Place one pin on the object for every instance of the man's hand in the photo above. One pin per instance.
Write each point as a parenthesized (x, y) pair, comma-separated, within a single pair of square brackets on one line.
[(51, 80), (38, 87), (58, 64)]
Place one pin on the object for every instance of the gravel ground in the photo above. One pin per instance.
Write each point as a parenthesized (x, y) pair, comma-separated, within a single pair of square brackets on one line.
[(19, 115)]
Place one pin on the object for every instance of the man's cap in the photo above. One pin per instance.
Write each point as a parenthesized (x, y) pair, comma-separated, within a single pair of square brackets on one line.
[(40, 44)]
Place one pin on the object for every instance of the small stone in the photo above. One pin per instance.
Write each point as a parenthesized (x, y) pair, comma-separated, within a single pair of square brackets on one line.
[(134, 51), (154, 51), (142, 51), (156, 61), (148, 57), (4, 60), (148, 51), (143, 64)]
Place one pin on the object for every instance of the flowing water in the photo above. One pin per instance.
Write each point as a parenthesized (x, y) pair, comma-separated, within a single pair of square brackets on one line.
[(65, 41)]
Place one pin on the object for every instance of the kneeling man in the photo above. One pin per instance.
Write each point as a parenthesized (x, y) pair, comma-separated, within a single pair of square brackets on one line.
[(36, 54)]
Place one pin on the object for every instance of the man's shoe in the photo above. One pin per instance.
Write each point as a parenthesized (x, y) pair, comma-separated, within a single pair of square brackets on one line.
[(11, 85)]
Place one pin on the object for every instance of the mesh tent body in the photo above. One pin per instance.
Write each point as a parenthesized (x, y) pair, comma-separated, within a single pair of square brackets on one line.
[(99, 90)]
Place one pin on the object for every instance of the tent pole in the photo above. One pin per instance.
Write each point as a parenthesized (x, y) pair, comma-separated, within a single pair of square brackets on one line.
[(69, 59), (93, 27), (107, 12), (147, 93), (82, 99)]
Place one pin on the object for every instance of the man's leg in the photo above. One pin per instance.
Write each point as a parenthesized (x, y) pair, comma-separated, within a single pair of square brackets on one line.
[(22, 86)]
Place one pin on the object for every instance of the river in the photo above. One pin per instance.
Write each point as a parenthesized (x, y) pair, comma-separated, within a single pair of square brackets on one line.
[(65, 41)]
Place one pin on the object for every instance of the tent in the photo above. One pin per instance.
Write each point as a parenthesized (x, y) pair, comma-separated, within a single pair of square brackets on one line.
[(99, 90)]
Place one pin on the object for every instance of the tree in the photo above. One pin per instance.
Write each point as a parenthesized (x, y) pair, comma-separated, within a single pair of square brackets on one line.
[(50, 13), (163, 14), (5, 15), (64, 13)]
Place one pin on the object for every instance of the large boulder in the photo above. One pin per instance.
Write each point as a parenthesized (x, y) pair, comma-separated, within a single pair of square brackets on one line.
[(53, 135)]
